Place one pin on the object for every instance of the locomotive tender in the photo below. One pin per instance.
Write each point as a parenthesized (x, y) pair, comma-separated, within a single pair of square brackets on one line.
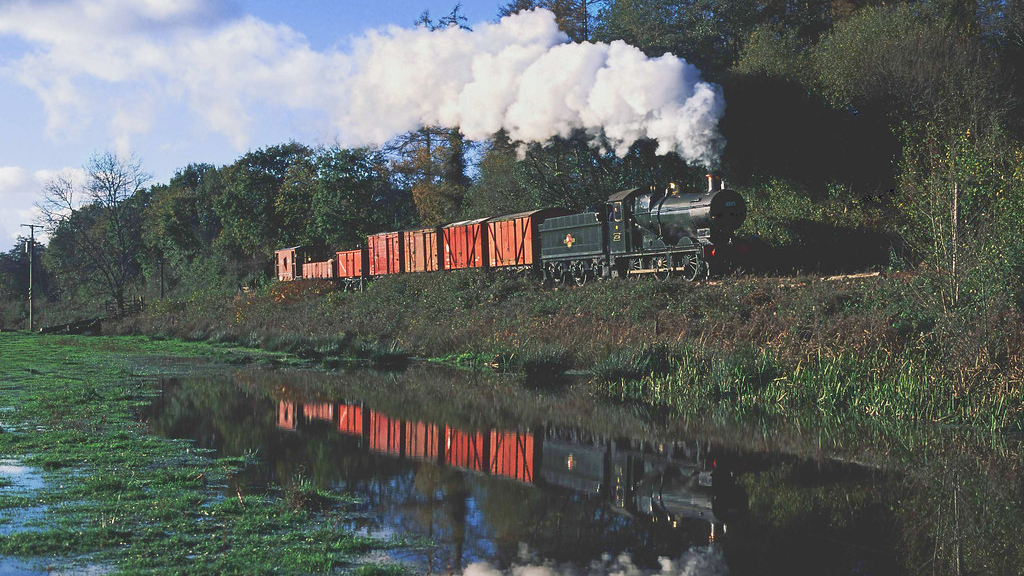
[(663, 232)]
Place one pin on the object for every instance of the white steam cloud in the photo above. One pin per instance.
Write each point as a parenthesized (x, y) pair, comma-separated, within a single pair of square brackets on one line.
[(522, 75), (134, 67), (698, 561)]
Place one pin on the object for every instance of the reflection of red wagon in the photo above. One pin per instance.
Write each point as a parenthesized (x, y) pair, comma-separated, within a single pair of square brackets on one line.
[(510, 454), (350, 420)]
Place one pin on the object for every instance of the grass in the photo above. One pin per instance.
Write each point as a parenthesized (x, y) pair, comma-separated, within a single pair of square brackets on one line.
[(134, 502), (887, 349)]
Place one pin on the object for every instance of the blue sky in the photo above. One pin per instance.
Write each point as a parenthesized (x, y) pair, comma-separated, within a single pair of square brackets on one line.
[(82, 76)]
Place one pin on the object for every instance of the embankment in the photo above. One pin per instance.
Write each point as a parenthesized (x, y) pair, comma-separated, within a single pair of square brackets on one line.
[(877, 349)]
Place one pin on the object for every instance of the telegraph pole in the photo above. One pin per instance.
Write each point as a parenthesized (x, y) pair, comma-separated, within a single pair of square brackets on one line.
[(31, 249)]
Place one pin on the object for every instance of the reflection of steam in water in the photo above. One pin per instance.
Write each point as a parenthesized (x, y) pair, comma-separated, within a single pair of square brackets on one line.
[(697, 561)]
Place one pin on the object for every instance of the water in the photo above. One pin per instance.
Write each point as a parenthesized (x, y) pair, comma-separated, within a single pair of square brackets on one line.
[(502, 480)]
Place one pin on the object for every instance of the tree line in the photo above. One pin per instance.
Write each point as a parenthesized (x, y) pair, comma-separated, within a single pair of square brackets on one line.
[(862, 133)]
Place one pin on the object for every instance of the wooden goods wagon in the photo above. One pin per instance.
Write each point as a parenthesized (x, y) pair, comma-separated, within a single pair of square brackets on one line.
[(465, 245), (352, 263), (386, 255), (321, 270), (514, 240), (288, 261), (423, 250)]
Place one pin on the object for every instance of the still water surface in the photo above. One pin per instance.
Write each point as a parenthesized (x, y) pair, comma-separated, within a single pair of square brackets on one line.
[(488, 472)]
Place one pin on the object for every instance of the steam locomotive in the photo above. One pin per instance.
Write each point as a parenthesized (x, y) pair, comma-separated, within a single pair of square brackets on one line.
[(663, 232)]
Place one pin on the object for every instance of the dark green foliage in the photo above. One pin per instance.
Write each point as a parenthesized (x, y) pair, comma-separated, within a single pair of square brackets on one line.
[(633, 363)]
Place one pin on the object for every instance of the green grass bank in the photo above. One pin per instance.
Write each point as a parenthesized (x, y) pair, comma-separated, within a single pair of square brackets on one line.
[(113, 497), (887, 349)]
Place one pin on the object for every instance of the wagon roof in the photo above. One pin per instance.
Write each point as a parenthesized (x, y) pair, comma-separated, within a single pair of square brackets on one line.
[(289, 248), (552, 211), (421, 229), (466, 222)]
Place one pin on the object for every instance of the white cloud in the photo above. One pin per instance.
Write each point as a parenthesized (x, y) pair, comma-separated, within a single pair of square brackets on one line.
[(124, 63), (17, 194), (11, 177)]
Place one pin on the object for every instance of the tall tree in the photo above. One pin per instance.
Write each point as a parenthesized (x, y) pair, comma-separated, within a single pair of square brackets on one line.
[(431, 161), (575, 17), (95, 226), (256, 217)]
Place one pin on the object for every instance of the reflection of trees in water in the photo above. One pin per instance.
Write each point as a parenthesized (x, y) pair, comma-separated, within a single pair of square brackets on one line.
[(964, 515)]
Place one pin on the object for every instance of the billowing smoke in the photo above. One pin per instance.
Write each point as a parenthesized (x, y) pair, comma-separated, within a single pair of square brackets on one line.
[(522, 75), (177, 71), (698, 561)]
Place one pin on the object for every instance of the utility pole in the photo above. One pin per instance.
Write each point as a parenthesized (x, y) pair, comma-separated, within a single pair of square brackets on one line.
[(31, 249)]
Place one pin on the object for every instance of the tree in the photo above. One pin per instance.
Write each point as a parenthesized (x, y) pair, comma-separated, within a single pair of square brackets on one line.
[(574, 17), (181, 225), (710, 34), (354, 197), (95, 226), (256, 218)]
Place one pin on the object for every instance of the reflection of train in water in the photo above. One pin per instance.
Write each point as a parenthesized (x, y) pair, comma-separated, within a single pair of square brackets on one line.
[(669, 485)]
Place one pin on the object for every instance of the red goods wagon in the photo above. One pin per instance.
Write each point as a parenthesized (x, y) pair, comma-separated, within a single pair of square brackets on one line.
[(385, 434), (422, 440), (514, 240), (465, 245), (352, 263), (350, 420), (465, 450), (287, 265), (423, 250), (321, 270), (288, 262), (512, 455), (386, 253)]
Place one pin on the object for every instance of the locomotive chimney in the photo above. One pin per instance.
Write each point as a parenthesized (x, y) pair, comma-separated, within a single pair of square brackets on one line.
[(714, 183)]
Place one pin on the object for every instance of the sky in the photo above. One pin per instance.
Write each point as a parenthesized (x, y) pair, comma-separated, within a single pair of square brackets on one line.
[(175, 82), (64, 95)]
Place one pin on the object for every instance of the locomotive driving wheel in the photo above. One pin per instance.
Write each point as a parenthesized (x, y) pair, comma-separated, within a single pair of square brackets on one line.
[(579, 273), (552, 274), (662, 265), (634, 268), (691, 267)]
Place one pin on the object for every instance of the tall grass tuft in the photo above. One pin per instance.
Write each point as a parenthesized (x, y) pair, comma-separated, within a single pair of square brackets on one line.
[(632, 363), (383, 355), (544, 367)]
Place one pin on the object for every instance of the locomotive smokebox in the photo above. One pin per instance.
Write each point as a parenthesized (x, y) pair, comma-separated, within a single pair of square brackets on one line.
[(675, 218)]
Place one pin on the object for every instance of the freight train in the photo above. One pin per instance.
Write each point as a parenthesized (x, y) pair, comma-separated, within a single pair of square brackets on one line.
[(663, 232)]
